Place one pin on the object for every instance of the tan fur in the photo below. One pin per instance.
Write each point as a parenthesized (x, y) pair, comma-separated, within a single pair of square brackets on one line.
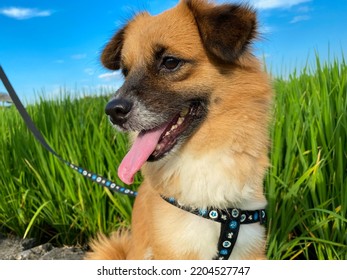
[(118, 241), (222, 165)]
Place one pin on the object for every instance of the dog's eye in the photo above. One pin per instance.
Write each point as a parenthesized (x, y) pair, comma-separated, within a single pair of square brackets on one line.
[(171, 63)]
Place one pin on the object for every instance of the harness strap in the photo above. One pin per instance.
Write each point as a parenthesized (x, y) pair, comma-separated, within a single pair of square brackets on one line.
[(230, 220)]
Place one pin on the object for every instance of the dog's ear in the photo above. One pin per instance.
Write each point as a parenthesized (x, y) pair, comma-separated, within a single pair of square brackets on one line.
[(111, 55), (226, 30)]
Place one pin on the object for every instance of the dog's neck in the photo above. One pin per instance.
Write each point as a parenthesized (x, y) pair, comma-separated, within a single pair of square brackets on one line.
[(202, 181)]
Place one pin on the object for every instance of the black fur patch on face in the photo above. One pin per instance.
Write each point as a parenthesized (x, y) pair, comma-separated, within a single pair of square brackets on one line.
[(156, 104), (159, 99)]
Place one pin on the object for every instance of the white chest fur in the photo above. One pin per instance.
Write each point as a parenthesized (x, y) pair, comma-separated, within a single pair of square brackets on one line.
[(211, 180), (214, 179)]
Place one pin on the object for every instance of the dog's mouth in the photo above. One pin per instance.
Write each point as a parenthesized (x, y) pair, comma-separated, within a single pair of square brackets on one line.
[(177, 128), (156, 143)]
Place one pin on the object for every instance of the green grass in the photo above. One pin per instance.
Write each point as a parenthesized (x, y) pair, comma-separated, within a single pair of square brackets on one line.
[(40, 196), (306, 184)]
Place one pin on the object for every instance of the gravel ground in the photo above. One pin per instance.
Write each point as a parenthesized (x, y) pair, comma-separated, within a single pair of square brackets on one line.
[(13, 248)]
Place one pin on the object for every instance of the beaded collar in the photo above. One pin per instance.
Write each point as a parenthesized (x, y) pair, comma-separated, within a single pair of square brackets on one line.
[(230, 220)]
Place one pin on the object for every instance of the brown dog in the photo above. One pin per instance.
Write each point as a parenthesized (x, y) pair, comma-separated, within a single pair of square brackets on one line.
[(197, 103)]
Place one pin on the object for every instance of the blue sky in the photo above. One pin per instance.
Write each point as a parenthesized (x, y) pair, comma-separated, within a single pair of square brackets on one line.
[(47, 45)]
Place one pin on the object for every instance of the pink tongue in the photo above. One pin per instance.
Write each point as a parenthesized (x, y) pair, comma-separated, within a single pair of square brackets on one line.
[(142, 148)]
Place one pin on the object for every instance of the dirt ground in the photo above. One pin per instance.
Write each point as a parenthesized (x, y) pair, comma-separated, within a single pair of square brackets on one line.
[(14, 248)]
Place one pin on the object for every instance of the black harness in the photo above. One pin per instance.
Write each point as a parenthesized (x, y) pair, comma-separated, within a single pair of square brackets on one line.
[(230, 219)]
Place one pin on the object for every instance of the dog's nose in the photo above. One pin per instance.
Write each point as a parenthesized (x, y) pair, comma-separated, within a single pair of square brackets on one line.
[(118, 110)]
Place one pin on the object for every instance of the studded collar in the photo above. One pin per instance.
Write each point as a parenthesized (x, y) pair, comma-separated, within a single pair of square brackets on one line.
[(230, 220)]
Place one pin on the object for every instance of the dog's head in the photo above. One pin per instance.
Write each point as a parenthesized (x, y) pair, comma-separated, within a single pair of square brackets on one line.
[(172, 63)]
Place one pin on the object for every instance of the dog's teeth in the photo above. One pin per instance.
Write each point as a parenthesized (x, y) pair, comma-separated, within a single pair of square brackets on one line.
[(167, 133), (184, 112), (158, 147), (180, 120), (174, 127)]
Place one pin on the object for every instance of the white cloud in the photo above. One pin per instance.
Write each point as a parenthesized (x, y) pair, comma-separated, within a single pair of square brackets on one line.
[(266, 29), (111, 76), (274, 4), (24, 13), (300, 18)]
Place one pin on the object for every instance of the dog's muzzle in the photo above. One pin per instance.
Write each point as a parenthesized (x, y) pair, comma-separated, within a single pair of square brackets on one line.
[(118, 110)]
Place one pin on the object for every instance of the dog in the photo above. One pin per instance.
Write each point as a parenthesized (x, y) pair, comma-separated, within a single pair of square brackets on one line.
[(196, 103)]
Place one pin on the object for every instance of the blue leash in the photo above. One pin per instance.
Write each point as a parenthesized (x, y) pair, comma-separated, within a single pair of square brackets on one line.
[(102, 181)]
